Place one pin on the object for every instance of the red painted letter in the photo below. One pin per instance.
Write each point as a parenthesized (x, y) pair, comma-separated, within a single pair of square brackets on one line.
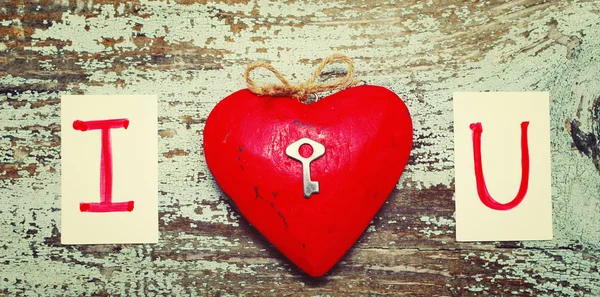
[(106, 204), (482, 190)]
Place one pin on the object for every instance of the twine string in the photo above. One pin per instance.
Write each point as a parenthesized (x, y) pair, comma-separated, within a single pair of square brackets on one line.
[(303, 90)]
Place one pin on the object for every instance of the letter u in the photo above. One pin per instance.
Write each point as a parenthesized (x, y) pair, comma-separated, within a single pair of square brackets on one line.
[(482, 190)]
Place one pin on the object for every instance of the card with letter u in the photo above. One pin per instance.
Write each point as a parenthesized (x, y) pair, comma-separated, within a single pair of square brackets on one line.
[(502, 166)]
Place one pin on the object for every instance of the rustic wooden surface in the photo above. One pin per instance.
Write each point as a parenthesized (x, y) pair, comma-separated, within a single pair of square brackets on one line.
[(192, 53)]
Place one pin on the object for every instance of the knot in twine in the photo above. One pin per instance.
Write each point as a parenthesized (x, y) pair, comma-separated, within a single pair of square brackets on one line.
[(303, 90)]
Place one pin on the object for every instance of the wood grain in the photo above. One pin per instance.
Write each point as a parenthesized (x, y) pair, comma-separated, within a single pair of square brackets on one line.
[(192, 54)]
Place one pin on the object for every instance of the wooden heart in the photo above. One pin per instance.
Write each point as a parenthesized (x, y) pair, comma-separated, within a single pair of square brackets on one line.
[(366, 132)]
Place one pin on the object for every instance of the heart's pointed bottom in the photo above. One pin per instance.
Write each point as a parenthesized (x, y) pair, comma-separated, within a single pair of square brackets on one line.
[(367, 135), (318, 269)]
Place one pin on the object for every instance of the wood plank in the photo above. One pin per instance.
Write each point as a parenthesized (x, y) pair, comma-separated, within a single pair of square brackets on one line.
[(193, 53)]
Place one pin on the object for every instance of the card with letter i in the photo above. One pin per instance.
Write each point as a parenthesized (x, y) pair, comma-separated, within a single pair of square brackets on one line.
[(109, 175)]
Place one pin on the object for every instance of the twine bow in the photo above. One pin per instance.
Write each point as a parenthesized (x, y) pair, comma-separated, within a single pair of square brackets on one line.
[(303, 90)]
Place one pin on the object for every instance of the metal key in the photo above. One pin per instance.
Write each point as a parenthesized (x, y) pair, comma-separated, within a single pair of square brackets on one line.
[(293, 151)]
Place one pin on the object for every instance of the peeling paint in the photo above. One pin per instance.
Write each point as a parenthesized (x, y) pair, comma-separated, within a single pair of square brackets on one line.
[(437, 226)]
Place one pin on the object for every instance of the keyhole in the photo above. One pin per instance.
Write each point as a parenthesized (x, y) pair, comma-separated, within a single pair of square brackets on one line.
[(305, 150)]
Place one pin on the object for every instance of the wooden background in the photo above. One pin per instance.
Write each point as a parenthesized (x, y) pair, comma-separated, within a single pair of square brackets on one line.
[(192, 53)]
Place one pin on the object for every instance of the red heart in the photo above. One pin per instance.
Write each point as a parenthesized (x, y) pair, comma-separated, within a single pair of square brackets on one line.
[(367, 134)]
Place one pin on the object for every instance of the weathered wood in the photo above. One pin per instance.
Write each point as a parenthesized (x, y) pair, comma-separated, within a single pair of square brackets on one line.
[(192, 53)]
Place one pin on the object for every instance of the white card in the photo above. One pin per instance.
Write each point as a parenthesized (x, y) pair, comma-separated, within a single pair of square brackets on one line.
[(497, 215), (104, 136)]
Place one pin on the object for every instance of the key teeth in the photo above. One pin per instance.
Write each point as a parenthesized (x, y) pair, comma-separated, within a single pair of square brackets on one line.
[(312, 188)]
